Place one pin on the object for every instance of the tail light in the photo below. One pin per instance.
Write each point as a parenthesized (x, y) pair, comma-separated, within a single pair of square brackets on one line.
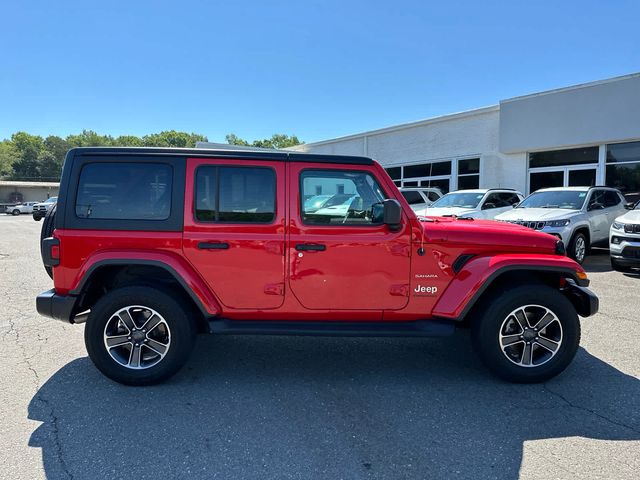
[(51, 252)]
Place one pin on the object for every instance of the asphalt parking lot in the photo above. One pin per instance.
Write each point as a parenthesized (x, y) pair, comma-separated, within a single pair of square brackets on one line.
[(327, 408)]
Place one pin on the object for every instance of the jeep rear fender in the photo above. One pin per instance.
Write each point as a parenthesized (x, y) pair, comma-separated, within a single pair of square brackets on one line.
[(479, 273), (182, 271)]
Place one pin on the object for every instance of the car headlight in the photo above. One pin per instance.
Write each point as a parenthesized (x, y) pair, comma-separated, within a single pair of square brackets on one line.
[(558, 223), (617, 225)]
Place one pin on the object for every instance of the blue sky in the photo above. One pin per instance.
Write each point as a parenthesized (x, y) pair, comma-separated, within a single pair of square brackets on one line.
[(318, 69)]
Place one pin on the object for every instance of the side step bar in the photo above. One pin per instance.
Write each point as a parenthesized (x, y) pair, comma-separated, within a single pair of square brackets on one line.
[(421, 328)]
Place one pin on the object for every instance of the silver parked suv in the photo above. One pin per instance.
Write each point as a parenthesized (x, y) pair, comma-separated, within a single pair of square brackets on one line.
[(579, 216)]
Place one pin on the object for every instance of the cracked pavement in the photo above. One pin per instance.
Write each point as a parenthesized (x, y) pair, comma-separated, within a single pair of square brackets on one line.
[(286, 407)]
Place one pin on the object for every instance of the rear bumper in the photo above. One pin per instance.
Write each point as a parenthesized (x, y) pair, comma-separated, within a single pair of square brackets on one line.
[(58, 307), (584, 300)]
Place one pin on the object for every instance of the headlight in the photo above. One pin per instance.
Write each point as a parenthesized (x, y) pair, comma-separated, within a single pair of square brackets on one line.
[(617, 225), (558, 223)]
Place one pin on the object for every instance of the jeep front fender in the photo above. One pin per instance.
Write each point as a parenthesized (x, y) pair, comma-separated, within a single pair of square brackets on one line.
[(479, 273)]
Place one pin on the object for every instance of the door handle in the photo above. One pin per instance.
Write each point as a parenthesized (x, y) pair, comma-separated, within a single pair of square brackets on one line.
[(213, 245), (311, 247)]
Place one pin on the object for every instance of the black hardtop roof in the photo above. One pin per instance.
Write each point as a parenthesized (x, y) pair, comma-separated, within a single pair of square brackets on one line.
[(275, 155)]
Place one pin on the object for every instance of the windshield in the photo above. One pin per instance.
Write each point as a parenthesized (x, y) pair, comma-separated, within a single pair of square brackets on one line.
[(464, 200), (568, 199), (52, 200)]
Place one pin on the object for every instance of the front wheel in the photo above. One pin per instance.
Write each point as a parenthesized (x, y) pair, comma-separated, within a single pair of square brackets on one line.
[(528, 334), (578, 247), (15, 212), (139, 335)]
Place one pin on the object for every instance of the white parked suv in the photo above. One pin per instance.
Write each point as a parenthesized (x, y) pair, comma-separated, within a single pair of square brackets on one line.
[(579, 216), (420, 198), (483, 203), (624, 241), (26, 207)]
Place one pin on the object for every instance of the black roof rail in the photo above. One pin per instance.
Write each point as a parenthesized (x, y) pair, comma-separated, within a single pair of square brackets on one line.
[(274, 155)]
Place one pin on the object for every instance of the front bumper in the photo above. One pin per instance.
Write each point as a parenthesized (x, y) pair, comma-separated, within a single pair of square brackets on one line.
[(584, 300), (563, 233), (58, 307)]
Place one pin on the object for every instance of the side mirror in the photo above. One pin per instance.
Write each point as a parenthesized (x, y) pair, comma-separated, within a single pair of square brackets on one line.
[(488, 206), (515, 204), (388, 212), (596, 206), (629, 206)]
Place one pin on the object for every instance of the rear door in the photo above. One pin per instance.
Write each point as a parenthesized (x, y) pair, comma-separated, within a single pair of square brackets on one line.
[(234, 229), (340, 259)]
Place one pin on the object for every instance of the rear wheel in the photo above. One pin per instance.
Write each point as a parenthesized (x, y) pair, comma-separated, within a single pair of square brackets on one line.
[(528, 334), (578, 247), (139, 335)]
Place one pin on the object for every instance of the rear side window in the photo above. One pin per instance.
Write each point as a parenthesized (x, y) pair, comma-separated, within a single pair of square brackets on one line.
[(235, 194), (124, 191)]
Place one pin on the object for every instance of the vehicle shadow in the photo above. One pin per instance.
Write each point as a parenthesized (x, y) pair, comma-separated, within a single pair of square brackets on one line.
[(285, 407), (597, 261)]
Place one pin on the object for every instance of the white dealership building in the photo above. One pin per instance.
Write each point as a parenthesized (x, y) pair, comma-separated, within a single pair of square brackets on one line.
[(586, 134)]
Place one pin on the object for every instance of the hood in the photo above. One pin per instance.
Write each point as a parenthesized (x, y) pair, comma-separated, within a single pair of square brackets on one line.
[(537, 214), (632, 216), (480, 236), (439, 212)]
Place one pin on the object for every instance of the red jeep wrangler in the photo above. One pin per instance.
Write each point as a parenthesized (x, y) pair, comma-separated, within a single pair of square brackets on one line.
[(151, 246)]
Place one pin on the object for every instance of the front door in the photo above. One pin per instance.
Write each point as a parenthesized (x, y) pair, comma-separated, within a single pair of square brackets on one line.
[(234, 229), (598, 215), (339, 258)]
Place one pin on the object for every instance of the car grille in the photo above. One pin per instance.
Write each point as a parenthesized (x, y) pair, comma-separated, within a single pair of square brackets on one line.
[(632, 228), (534, 225), (631, 252), (40, 208)]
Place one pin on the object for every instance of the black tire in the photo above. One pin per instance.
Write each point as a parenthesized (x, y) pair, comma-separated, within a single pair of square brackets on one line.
[(573, 250), (493, 317), (15, 212), (620, 268), (47, 230), (180, 324)]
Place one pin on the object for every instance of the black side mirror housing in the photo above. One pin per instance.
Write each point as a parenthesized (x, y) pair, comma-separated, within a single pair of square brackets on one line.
[(629, 206), (596, 206), (488, 206), (388, 212)]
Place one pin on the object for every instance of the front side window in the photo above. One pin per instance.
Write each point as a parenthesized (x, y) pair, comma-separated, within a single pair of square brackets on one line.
[(124, 191), (235, 194), (352, 196), (611, 198)]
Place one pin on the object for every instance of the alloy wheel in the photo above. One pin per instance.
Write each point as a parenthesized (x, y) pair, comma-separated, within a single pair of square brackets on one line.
[(137, 337), (530, 336)]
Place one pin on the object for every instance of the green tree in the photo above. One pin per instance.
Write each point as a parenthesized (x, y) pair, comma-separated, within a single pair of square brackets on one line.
[(56, 146), (128, 141), (233, 139), (171, 138), (89, 138), (278, 140), (8, 156), (49, 167)]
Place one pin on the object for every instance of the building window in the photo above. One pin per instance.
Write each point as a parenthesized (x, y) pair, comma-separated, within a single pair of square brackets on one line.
[(623, 169), (468, 173), (575, 167), (559, 158)]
